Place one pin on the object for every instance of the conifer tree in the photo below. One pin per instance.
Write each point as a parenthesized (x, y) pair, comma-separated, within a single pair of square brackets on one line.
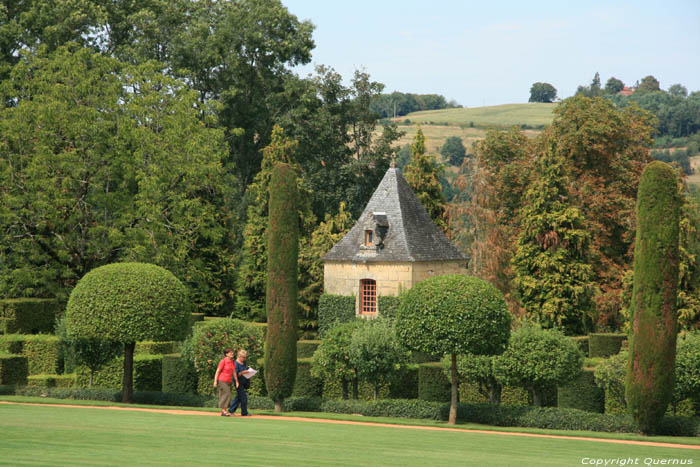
[(282, 288), (250, 283), (423, 174), (552, 268), (650, 370)]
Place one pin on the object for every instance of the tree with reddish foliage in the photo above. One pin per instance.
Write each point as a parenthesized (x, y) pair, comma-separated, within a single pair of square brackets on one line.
[(650, 371)]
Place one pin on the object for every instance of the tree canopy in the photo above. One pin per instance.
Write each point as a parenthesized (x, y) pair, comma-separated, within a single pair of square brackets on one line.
[(542, 92)]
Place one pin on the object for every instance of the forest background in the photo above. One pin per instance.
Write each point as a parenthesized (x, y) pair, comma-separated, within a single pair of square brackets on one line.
[(147, 130)]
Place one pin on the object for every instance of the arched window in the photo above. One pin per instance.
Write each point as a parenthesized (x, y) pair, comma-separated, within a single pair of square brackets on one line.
[(368, 297)]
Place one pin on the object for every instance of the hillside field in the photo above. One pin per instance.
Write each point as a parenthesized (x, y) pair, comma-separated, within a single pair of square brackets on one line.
[(532, 114)]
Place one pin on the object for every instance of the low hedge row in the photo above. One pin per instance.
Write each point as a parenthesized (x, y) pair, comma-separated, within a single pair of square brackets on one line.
[(494, 415), (42, 351), (13, 369), (179, 376), (306, 348), (29, 315), (148, 374), (605, 344), (387, 306), (582, 394), (52, 381)]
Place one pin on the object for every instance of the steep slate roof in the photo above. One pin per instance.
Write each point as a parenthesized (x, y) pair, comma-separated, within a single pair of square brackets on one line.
[(411, 236)]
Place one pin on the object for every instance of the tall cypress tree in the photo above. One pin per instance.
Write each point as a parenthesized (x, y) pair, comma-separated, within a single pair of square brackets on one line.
[(552, 267), (423, 174), (650, 370), (282, 288)]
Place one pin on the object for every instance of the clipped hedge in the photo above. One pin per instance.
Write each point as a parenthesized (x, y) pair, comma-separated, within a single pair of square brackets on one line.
[(605, 344), (306, 385), (582, 394), (469, 394), (157, 348), (13, 369), (52, 381), (387, 305), (42, 351), (334, 309), (29, 315), (306, 348), (179, 375), (433, 384), (148, 374)]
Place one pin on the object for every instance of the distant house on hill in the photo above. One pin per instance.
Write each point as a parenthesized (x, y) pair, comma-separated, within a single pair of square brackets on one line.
[(393, 246), (627, 91)]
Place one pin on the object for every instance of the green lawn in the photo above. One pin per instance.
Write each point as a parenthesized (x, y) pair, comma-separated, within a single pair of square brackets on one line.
[(92, 436), (495, 115)]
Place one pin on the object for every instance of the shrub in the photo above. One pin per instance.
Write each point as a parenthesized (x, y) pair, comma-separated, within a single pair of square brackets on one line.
[(454, 314), (478, 369), (610, 377), (403, 383), (387, 306), (583, 344), (538, 360), (52, 381), (128, 302), (333, 310), (650, 373), (29, 315), (205, 347), (433, 383), (306, 385), (179, 375), (376, 352), (582, 393), (331, 361), (605, 344), (687, 368), (13, 369), (306, 348), (42, 352)]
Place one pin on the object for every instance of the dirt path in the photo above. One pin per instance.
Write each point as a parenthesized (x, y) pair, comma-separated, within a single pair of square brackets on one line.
[(387, 425)]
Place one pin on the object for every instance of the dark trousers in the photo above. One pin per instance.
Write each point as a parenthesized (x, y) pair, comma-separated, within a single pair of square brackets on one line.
[(242, 399)]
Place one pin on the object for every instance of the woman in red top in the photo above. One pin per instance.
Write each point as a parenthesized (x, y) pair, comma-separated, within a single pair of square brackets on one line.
[(224, 377)]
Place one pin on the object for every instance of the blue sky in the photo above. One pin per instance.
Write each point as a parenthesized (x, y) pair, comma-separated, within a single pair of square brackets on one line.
[(490, 52)]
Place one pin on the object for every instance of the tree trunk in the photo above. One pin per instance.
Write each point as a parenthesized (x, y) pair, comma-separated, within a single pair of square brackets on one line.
[(92, 375), (355, 391), (128, 380), (453, 404), (345, 389), (536, 396), (495, 394), (279, 405), (376, 390)]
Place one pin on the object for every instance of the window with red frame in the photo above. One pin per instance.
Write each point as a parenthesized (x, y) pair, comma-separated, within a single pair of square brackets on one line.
[(368, 297)]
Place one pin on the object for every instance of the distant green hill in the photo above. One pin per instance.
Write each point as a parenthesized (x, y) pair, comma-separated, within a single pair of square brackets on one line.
[(533, 115)]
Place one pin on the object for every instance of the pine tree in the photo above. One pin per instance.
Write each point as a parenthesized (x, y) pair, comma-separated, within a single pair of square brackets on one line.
[(423, 174), (552, 267), (650, 370), (282, 288)]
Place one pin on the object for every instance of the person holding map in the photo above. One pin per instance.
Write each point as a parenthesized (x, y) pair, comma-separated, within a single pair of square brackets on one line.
[(244, 374)]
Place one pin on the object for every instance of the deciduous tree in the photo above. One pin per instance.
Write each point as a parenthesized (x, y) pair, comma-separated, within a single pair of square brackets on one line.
[(542, 92)]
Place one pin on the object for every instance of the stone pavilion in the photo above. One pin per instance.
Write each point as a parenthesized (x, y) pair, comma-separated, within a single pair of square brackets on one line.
[(393, 246)]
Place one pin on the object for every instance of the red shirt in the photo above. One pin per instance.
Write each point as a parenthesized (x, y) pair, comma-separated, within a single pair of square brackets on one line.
[(226, 367)]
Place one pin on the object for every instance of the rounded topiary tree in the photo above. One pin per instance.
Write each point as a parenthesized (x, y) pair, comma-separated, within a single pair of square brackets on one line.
[(127, 303), (451, 315), (650, 371), (537, 359), (282, 288)]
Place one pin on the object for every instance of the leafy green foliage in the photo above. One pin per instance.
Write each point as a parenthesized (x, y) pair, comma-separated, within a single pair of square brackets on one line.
[(128, 302), (282, 287), (537, 359), (423, 174), (205, 347), (605, 344), (542, 92), (130, 171), (453, 151), (332, 358), (650, 374), (613, 85), (687, 367), (610, 376), (29, 315), (397, 103), (13, 369), (333, 310), (179, 376), (375, 352), (478, 369), (582, 393), (648, 84), (148, 375), (453, 314), (552, 264)]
